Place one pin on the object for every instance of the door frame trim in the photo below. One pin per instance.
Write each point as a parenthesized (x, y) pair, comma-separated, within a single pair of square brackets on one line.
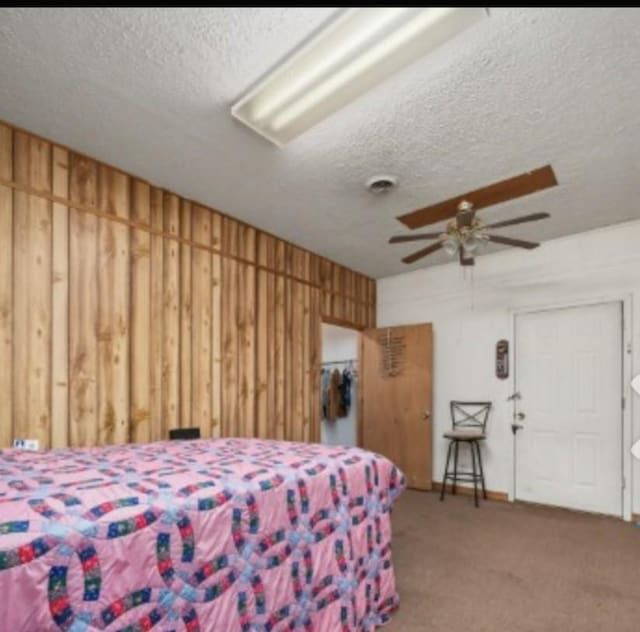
[(626, 302)]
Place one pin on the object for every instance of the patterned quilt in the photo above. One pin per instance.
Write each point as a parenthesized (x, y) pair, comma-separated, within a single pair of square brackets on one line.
[(211, 535)]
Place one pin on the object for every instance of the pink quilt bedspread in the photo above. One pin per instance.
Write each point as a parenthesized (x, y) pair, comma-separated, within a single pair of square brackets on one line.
[(226, 535)]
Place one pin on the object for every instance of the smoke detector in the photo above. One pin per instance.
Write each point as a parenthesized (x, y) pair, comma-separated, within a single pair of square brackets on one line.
[(381, 184)]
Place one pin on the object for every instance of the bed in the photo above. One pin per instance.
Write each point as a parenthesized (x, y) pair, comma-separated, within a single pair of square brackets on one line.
[(208, 535)]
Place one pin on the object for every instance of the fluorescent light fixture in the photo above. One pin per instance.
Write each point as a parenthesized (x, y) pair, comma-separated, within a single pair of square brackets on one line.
[(358, 49)]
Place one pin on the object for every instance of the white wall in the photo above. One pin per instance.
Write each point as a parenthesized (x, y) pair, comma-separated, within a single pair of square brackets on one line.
[(340, 343), (471, 314)]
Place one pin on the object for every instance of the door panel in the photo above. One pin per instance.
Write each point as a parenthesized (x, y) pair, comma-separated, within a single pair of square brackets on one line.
[(396, 369), (569, 373)]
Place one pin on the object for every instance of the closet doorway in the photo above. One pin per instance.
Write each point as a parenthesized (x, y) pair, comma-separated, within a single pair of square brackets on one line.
[(339, 385)]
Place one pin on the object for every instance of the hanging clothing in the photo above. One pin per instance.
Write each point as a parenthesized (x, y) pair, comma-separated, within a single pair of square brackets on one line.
[(335, 408), (345, 390), (336, 391), (325, 381)]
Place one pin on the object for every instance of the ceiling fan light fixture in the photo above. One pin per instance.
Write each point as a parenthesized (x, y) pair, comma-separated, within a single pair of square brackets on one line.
[(450, 245), (471, 242)]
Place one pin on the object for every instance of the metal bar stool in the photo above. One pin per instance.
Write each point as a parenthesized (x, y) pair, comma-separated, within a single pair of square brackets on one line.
[(469, 422)]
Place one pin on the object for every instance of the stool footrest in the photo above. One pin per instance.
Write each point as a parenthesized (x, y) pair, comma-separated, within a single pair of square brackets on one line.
[(476, 476), (464, 476)]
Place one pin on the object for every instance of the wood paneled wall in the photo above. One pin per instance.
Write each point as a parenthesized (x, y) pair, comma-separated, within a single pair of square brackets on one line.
[(126, 310)]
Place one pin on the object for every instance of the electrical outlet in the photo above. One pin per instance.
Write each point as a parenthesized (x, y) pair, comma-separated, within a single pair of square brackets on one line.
[(26, 444)]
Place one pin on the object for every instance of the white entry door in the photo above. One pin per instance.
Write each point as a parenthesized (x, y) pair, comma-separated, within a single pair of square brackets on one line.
[(568, 370)]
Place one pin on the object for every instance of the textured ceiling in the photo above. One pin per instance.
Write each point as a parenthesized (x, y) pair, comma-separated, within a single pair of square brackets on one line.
[(150, 89)]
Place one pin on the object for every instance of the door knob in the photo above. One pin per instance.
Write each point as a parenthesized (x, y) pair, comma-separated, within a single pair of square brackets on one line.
[(427, 414)]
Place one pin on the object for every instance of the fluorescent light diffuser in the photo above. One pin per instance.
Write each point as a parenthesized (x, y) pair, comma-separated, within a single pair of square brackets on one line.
[(357, 50)]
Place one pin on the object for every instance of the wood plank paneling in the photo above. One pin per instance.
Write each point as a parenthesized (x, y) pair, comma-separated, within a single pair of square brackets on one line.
[(40, 291), (83, 305), (308, 370), (242, 386), (186, 316), (21, 288), (216, 328), (262, 351), (140, 364), (6, 287), (280, 351), (171, 318), (229, 348), (60, 303), (126, 310), (288, 370), (371, 303), (247, 333), (250, 350), (202, 303), (249, 363), (157, 427), (113, 309), (315, 361), (271, 356), (297, 372)]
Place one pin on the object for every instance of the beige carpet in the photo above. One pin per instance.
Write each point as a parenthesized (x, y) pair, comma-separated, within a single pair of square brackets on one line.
[(515, 568)]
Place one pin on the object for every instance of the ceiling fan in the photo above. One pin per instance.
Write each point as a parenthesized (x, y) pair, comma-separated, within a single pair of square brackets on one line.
[(465, 233)]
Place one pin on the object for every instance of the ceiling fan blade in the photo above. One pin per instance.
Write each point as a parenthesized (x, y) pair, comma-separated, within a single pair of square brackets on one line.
[(509, 241), (534, 217), (399, 239), (496, 193), (422, 253), (465, 260)]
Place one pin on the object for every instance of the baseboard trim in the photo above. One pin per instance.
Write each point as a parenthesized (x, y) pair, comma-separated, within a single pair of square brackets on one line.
[(468, 491), (464, 490)]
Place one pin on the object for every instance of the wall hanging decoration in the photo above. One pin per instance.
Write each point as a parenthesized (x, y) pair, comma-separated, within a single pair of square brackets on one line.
[(502, 359), (392, 347)]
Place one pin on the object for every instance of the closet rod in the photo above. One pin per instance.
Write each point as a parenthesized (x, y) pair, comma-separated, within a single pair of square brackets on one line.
[(352, 361)]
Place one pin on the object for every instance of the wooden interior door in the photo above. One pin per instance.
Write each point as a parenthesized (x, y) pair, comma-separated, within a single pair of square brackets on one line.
[(396, 398)]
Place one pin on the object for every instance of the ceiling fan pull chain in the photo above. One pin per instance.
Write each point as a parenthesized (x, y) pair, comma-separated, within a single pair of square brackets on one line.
[(473, 289)]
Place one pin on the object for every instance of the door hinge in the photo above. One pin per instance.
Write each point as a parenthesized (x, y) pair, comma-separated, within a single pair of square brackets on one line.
[(624, 402), (624, 483)]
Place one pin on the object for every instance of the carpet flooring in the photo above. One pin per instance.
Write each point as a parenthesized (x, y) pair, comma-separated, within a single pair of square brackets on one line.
[(512, 567)]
